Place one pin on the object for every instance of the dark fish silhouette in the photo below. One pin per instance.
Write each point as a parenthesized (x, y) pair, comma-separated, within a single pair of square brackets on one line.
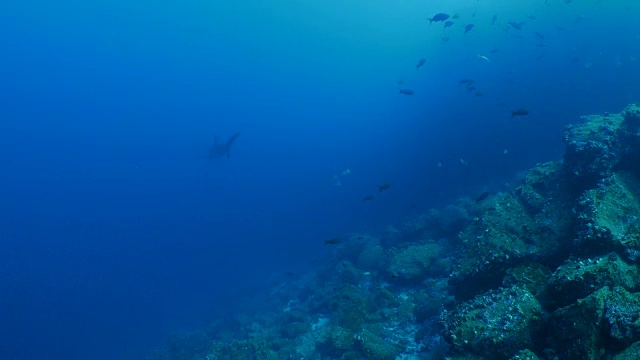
[(367, 198), (219, 150), (493, 20), (420, 63), (468, 28), (482, 196), (517, 26), (406, 92), (383, 187), (448, 23), (519, 112), (333, 241), (438, 17)]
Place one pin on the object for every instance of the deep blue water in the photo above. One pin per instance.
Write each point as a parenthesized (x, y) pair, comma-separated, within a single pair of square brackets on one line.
[(116, 230)]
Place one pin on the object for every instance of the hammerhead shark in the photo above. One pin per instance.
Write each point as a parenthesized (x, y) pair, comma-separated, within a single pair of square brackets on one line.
[(221, 149)]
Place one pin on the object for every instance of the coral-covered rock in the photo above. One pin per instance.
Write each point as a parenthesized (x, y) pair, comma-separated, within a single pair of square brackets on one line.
[(525, 355), (600, 144), (496, 325), (371, 258), (532, 276), (509, 233), (609, 217), (630, 353), (374, 347), (352, 307), (414, 262), (604, 322), (578, 278), (592, 149)]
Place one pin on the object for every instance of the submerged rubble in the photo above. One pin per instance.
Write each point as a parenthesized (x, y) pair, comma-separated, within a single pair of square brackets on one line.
[(550, 270)]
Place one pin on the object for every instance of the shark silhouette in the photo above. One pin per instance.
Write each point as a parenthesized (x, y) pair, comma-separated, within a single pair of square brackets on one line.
[(221, 149)]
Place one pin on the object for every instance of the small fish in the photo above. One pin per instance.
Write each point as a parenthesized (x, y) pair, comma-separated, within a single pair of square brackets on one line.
[(438, 17), (479, 94), (515, 25), (470, 87), (519, 112), (440, 163), (483, 58), (482, 196), (420, 63), (456, 16), (346, 172), (383, 187), (505, 152), (400, 82), (406, 92), (444, 39), (465, 81), (448, 23), (531, 17), (333, 241), (494, 19), (468, 28), (540, 35), (463, 162), (367, 198), (494, 51)]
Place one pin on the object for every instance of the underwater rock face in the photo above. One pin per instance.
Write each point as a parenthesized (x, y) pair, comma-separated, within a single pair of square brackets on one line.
[(495, 325), (576, 278), (414, 262), (550, 270), (609, 216), (630, 353), (595, 147), (374, 347), (534, 224), (601, 322), (525, 355)]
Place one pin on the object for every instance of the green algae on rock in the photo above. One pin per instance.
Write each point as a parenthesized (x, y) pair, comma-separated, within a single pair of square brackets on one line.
[(576, 278), (609, 216), (509, 233), (414, 262), (604, 322), (495, 325)]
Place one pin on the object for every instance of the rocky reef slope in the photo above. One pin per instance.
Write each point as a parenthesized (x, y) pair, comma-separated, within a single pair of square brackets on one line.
[(547, 271)]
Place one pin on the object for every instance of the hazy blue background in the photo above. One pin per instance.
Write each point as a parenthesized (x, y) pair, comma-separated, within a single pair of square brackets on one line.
[(116, 230)]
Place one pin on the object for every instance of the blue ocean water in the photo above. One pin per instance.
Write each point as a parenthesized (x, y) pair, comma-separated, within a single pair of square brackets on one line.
[(117, 230)]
